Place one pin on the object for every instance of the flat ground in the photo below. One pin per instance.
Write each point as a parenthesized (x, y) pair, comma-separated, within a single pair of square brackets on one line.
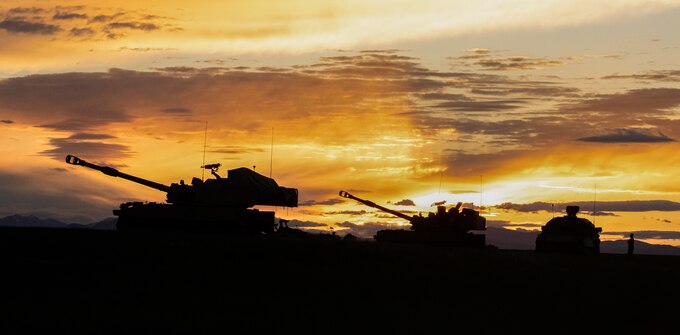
[(102, 281)]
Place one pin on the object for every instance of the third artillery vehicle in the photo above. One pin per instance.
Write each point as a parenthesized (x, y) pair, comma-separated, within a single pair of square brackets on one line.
[(213, 205), (445, 227), (569, 233)]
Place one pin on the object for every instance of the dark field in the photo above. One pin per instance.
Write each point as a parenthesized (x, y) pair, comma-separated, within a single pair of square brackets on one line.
[(102, 281)]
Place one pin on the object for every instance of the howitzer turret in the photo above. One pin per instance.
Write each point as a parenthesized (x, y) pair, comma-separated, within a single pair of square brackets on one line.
[(449, 227), (220, 204)]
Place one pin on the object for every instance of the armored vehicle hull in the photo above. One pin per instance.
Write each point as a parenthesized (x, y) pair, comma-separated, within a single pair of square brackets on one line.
[(546, 242), (137, 216)]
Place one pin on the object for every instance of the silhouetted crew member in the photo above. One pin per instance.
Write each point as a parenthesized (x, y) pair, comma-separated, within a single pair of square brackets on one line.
[(631, 245)]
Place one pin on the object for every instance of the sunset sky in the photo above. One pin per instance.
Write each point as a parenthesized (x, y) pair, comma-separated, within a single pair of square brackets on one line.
[(405, 103)]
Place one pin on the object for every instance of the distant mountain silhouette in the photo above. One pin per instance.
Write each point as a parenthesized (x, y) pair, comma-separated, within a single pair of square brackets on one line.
[(522, 239), (31, 221), (106, 224), (641, 248)]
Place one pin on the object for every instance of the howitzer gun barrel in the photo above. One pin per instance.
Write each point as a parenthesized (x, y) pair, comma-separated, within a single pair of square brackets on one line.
[(374, 205), (109, 171)]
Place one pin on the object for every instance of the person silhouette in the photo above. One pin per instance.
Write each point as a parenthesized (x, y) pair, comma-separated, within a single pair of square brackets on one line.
[(631, 245)]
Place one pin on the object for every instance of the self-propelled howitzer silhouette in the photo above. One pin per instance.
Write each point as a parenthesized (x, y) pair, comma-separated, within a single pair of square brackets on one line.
[(445, 227), (213, 205)]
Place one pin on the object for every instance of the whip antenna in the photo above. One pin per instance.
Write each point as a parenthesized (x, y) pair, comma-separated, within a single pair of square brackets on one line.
[(481, 193), (205, 138), (594, 201), (441, 173), (271, 154)]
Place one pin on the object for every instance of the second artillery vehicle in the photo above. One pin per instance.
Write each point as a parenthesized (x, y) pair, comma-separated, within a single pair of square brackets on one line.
[(213, 205), (570, 234), (445, 227)]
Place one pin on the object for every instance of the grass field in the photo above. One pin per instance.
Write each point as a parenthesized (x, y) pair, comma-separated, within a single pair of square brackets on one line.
[(104, 281)]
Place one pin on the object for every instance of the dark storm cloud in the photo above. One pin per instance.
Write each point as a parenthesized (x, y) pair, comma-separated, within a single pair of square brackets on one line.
[(606, 206), (16, 25), (660, 76), (629, 136), (7, 121)]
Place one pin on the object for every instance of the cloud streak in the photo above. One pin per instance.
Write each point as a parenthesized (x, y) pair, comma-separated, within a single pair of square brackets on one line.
[(83, 22), (485, 59), (28, 27), (605, 206), (653, 76), (629, 136)]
